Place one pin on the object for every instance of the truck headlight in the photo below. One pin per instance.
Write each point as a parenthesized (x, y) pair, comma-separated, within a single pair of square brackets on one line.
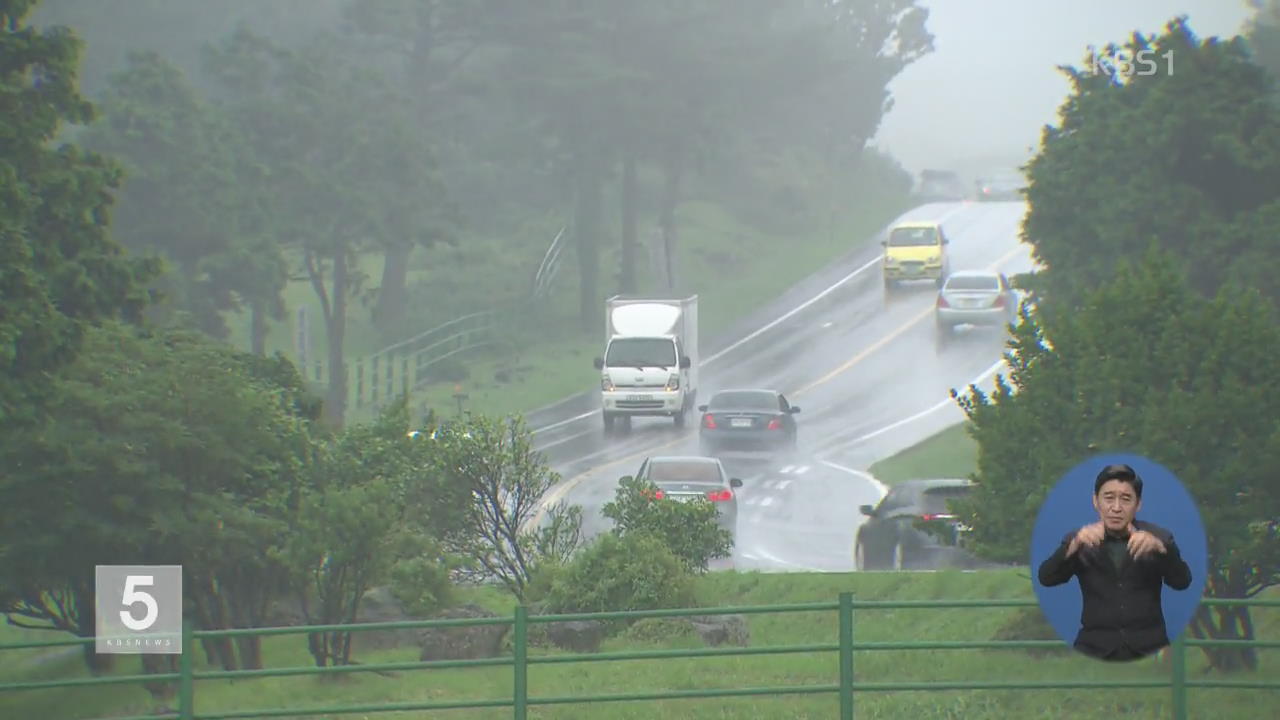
[(673, 382), (606, 384)]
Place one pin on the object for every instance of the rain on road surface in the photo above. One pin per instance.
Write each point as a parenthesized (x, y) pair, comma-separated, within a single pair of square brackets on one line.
[(864, 369)]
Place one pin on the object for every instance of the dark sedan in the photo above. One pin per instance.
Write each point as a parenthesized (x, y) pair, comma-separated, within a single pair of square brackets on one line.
[(747, 420), (913, 529), (687, 478)]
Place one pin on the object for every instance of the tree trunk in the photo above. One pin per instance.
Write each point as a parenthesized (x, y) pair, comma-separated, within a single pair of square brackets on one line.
[(673, 172), (258, 328), (87, 628), (627, 269), (335, 404), (586, 229), (1226, 622), (393, 295)]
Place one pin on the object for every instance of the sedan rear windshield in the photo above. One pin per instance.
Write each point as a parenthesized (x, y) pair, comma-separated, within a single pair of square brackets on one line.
[(935, 499), (973, 282), (745, 401), (685, 472)]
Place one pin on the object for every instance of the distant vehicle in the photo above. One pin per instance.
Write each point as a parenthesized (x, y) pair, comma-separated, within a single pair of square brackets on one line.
[(650, 362), (1002, 186), (747, 419), (688, 478), (940, 186), (440, 430), (912, 528), (974, 297), (916, 251)]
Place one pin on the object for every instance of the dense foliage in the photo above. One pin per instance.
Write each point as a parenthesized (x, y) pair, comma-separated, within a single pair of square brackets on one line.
[(1154, 326)]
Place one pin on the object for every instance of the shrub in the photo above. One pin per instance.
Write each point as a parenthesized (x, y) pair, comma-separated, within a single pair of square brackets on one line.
[(618, 573), (689, 529)]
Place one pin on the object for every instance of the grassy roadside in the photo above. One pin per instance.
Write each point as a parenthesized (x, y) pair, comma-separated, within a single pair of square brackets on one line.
[(732, 672), (734, 267), (950, 453)]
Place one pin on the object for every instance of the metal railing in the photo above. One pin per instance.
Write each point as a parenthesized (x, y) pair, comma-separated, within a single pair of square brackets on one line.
[(845, 685), (402, 367)]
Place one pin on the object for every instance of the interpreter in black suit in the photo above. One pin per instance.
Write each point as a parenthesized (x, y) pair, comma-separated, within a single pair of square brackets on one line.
[(1121, 563)]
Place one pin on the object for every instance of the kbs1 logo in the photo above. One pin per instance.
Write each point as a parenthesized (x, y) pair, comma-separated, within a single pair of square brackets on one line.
[(1124, 64), (138, 609)]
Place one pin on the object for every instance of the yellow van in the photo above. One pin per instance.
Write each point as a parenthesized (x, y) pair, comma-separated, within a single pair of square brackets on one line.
[(916, 251)]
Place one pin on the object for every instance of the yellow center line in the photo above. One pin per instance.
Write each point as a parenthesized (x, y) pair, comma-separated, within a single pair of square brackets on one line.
[(563, 489)]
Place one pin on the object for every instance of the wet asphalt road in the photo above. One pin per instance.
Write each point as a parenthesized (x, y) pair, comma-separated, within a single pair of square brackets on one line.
[(866, 372)]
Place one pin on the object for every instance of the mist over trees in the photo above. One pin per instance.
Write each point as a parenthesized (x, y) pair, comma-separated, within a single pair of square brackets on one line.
[(294, 149)]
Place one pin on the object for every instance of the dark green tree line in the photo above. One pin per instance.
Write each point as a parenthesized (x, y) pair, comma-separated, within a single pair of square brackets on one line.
[(1153, 330)]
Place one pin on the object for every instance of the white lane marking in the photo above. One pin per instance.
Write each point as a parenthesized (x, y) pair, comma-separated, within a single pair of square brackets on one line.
[(827, 324), (786, 468), (766, 502), (770, 484), (782, 484), (995, 367), (802, 469), (767, 326), (881, 487)]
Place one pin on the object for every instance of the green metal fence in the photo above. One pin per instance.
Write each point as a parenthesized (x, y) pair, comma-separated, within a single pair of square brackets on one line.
[(846, 686)]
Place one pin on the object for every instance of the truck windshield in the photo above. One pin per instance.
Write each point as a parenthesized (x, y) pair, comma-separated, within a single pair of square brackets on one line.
[(641, 352)]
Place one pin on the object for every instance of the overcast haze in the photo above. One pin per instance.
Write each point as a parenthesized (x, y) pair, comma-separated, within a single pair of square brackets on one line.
[(991, 83)]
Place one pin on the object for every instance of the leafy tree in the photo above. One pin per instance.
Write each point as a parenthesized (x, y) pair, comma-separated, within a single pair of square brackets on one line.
[(1186, 158), (492, 482), (1146, 365), (1263, 34), (344, 179), (161, 448), (689, 529), (181, 155), (59, 270)]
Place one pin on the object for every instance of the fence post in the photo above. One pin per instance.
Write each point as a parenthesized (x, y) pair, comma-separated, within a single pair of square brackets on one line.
[(520, 650), (1179, 679), (186, 680), (846, 656)]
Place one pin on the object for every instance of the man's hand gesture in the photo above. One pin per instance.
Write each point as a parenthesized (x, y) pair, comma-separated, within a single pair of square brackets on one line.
[(1143, 543), (1089, 535)]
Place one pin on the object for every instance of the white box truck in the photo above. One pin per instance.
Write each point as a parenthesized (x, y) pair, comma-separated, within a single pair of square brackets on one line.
[(650, 362)]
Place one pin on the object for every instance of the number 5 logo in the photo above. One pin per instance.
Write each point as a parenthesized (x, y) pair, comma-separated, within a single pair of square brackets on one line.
[(133, 596)]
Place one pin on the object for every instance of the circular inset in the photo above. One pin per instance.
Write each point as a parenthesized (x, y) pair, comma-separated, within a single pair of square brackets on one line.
[(1130, 583)]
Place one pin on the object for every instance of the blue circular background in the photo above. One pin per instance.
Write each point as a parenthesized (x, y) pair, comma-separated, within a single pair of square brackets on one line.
[(1165, 502)]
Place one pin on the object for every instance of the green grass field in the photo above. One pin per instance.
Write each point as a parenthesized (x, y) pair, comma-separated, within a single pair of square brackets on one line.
[(734, 268), (300, 692), (950, 453)]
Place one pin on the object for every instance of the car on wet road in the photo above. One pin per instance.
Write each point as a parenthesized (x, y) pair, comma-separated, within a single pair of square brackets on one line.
[(684, 478), (747, 419), (913, 528), (974, 297), (915, 250)]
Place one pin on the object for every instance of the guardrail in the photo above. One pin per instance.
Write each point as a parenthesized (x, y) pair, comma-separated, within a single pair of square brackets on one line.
[(402, 367), (845, 685)]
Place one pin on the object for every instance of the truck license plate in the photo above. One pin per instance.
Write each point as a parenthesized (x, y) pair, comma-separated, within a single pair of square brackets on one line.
[(639, 398), (740, 422)]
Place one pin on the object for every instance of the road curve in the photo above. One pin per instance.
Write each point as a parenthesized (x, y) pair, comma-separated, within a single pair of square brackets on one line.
[(864, 368)]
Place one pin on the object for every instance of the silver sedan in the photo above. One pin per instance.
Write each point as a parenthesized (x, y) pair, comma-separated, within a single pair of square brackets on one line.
[(975, 297)]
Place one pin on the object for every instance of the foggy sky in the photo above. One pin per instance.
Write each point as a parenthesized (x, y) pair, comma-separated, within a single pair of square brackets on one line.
[(991, 83)]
